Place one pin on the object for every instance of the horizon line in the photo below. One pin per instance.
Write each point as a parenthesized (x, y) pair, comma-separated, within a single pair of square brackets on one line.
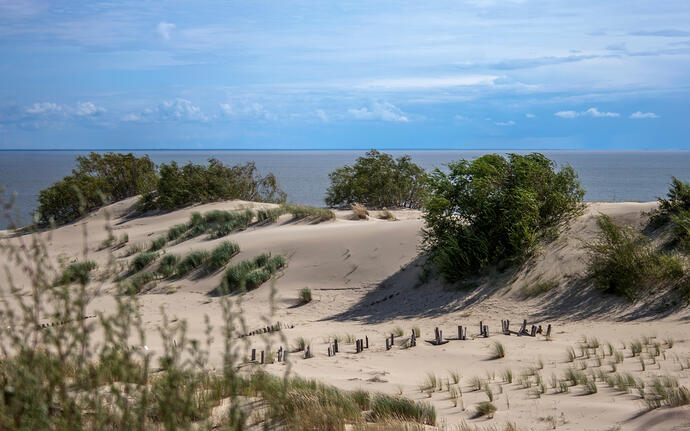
[(336, 149)]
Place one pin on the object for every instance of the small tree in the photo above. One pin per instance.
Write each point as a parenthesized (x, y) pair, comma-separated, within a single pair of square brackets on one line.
[(377, 180)]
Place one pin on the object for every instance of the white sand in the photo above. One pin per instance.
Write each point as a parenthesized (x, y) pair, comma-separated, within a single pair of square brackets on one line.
[(350, 265)]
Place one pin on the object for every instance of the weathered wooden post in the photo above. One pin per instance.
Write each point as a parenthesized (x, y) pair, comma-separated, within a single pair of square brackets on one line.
[(307, 352), (262, 356), (329, 351), (548, 330), (392, 340), (481, 328), (366, 341), (533, 332), (335, 345), (523, 328), (253, 355), (388, 343), (486, 331)]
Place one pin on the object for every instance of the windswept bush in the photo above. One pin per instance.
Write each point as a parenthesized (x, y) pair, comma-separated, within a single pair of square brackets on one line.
[(77, 272), (180, 186), (97, 180), (623, 261), (377, 180), (495, 210), (675, 208)]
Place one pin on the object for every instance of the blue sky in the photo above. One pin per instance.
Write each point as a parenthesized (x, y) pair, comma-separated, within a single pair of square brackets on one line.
[(259, 74)]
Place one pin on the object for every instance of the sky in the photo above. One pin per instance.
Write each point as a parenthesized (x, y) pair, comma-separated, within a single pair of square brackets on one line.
[(281, 74)]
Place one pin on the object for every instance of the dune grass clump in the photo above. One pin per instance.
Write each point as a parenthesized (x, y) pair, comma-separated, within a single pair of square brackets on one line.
[(508, 375), (158, 243), (142, 260), (191, 262), (177, 231), (305, 295), (250, 274), (359, 212), (386, 407), (538, 288), (455, 376), (665, 391), (168, 265), (301, 343), (137, 282), (222, 223), (498, 350), (386, 215), (220, 256), (317, 214), (76, 272), (133, 249), (485, 408), (624, 262), (269, 215)]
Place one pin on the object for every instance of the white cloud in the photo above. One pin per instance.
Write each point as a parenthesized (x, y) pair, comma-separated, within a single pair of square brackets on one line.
[(566, 114), (169, 110), (461, 117), (379, 111), (594, 112), (429, 83), (505, 123), (528, 115), (88, 109), (227, 108), (43, 108), (321, 115), (165, 29), (643, 115), (591, 112)]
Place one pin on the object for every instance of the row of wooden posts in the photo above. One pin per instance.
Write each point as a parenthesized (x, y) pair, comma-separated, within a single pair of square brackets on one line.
[(362, 344), (62, 322)]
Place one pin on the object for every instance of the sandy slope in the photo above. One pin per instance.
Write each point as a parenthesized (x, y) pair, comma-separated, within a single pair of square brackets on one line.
[(365, 279)]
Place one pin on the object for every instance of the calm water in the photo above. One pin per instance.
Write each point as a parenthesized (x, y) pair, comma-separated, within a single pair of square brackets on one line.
[(606, 175)]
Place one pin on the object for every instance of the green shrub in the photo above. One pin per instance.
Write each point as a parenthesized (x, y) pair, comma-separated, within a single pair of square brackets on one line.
[(191, 262), (180, 186), (158, 243), (269, 215), (623, 261), (77, 272), (386, 407), (221, 255), (98, 179), (377, 180), (142, 260), (495, 210), (231, 222)]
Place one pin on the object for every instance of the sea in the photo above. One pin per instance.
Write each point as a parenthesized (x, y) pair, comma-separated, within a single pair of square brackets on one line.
[(614, 176)]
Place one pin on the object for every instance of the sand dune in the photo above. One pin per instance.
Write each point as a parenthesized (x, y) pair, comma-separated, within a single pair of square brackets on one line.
[(365, 279)]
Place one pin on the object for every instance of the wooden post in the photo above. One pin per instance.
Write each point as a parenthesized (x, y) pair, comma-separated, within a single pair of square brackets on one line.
[(307, 353), (523, 328), (253, 355), (481, 328), (388, 343), (392, 340), (335, 345), (262, 356), (533, 332), (486, 331), (329, 351), (436, 333), (548, 330), (366, 341), (413, 339)]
